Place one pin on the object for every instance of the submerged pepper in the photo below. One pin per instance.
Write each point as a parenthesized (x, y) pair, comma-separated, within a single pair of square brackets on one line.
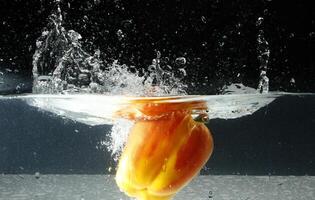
[(165, 149)]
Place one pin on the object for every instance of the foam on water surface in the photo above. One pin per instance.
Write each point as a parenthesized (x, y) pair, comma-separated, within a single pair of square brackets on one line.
[(96, 109)]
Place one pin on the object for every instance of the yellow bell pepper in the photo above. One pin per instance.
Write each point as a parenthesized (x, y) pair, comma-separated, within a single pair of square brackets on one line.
[(165, 149)]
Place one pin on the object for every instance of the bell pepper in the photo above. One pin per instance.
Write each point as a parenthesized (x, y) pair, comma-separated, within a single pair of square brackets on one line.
[(165, 149)]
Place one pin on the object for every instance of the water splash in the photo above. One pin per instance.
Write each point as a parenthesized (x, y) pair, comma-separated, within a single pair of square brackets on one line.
[(263, 57), (61, 65), (163, 80)]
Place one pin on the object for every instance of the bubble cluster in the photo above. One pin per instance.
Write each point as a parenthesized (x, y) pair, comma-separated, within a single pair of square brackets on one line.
[(118, 137)]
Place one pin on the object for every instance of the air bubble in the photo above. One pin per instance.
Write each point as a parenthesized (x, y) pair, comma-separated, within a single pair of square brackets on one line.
[(180, 61), (37, 175)]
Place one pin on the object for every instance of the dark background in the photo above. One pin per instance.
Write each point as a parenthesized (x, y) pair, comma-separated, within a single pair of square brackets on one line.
[(217, 37), (276, 140)]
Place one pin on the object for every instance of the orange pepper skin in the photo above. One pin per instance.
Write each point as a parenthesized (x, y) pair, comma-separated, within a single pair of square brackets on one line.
[(161, 156)]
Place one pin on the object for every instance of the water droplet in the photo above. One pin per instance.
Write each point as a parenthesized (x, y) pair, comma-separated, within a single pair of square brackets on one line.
[(183, 72), (96, 2), (203, 19), (74, 36), (120, 34), (291, 35), (180, 61), (8, 70), (259, 21), (263, 86)]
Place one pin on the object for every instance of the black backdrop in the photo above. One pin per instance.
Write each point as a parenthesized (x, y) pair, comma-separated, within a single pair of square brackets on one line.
[(218, 37)]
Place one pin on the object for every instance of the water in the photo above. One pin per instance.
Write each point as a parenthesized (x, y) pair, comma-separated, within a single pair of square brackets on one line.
[(101, 109), (74, 187), (52, 155)]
